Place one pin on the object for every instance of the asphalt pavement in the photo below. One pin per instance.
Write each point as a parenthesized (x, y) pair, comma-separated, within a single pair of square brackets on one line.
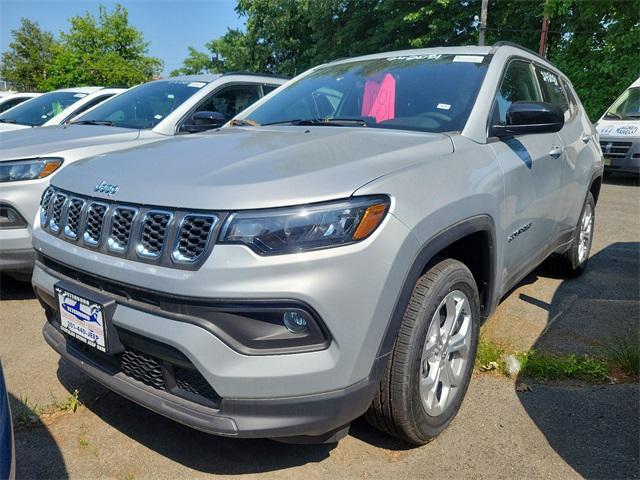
[(560, 430)]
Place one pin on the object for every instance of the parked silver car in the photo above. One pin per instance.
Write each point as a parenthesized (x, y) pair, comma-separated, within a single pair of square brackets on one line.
[(334, 254), (13, 99), (144, 114)]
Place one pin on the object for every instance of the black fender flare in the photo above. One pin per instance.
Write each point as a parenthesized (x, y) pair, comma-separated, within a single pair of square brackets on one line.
[(426, 253)]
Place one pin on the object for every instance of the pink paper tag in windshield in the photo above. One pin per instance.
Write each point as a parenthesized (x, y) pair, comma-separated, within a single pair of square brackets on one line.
[(379, 100)]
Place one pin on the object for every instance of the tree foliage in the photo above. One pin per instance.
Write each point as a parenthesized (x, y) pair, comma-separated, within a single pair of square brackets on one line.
[(595, 42), (26, 63), (102, 51)]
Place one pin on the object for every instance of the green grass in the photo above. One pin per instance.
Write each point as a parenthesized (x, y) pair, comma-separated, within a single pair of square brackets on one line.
[(543, 366), (490, 356), (623, 351)]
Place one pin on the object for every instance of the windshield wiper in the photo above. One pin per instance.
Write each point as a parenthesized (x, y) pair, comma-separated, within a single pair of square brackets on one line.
[(107, 123), (632, 115), (7, 120), (613, 114), (242, 122), (332, 122)]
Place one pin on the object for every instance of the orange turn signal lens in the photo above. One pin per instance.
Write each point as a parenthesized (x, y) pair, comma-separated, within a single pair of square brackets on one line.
[(370, 220), (49, 167)]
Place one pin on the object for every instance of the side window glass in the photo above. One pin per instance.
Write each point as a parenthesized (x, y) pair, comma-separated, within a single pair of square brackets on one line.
[(89, 105), (11, 103), (518, 85), (269, 88), (231, 101), (573, 103), (553, 91)]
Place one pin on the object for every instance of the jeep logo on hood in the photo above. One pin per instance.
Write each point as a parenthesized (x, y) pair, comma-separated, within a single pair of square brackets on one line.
[(107, 188)]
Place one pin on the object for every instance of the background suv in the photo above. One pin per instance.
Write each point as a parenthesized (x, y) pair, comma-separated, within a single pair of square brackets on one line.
[(147, 113), (334, 254)]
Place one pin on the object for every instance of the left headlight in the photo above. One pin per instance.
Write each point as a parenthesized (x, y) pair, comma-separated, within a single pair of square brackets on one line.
[(310, 227), (17, 170)]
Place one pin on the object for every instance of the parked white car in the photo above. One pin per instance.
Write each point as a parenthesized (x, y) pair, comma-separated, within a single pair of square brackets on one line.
[(619, 130), (148, 113), (14, 99), (55, 108)]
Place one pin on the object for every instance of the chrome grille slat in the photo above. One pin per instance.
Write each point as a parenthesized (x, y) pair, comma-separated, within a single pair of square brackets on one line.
[(170, 238), (153, 234), (193, 237), (615, 149), (94, 223), (72, 222), (56, 212), (120, 231)]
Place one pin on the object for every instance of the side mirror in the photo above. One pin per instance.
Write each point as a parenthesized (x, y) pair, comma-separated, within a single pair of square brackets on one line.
[(530, 117), (204, 120)]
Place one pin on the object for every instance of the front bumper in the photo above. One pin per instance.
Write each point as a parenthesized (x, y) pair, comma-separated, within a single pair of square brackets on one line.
[(16, 252), (310, 415), (621, 154)]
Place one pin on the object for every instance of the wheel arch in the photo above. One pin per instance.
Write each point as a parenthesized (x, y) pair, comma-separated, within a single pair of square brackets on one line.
[(460, 241)]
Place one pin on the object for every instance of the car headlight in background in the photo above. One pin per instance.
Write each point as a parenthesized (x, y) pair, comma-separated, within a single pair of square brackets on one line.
[(311, 227), (17, 170)]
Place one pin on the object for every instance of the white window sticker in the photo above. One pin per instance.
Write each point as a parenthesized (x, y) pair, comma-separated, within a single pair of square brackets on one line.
[(80, 95), (196, 84), (443, 106), (468, 58), (157, 116), (431, 56), (549, 78)]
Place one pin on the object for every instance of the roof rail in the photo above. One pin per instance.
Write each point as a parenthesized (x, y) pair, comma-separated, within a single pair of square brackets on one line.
[(504, 43), (254, 74)]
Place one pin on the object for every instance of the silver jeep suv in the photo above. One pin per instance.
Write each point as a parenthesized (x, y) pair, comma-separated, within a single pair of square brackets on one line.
[(331, 253)]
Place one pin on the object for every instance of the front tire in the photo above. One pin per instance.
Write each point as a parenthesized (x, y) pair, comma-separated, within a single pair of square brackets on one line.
[(432, 359)]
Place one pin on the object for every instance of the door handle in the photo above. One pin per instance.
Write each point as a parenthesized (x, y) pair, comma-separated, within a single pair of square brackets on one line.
[(556, 152), (585, 137)]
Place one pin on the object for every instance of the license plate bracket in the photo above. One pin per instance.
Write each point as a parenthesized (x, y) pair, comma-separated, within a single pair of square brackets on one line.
[(87, 316)]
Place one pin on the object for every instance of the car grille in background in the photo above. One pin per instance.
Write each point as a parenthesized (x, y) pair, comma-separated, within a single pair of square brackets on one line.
[(615, 149), (173, 238)]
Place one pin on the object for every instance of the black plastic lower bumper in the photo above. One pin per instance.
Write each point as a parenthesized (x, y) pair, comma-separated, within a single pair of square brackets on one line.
[(309, 415)]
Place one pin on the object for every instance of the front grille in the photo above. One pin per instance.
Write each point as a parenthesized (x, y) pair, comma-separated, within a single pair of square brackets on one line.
[(120, 233), (56, 212), (94, 223), (154, 229), (74, 210), (171, 238), (193, 236), (615, 149)]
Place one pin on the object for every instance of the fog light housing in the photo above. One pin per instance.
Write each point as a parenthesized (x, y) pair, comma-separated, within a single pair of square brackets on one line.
[(10, 218), (295, 322)]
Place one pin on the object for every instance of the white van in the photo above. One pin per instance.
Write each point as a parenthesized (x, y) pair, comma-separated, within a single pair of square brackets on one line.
[(619, 130)]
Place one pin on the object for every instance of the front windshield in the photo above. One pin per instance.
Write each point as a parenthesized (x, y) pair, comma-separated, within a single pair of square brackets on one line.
[(144, 106), (38, 110), (430, 93), (627, 106)]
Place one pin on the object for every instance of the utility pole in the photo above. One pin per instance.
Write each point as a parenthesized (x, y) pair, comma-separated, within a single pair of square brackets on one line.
[(543, 36), (483, 22)]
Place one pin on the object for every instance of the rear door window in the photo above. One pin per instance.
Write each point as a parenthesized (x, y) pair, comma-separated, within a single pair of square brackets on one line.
[(553, 90)]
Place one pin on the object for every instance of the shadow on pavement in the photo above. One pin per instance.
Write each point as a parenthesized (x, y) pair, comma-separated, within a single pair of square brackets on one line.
[(191, 448), (594, 428), (625, 179), (37, 453), (12, 289)]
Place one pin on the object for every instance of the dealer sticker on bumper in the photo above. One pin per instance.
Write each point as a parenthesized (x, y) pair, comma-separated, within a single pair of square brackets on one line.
[(82, 319)]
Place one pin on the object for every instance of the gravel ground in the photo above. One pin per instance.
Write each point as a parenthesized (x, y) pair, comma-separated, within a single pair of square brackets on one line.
[(554, 431)]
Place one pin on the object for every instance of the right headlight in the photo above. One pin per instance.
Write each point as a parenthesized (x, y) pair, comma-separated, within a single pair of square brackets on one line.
[(310, 227)]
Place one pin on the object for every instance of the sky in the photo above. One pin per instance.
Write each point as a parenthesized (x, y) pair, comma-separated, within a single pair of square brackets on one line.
[(170, 26)]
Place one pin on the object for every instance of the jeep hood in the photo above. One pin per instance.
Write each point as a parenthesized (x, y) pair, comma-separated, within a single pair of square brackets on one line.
[(42, 141), (245, 168)]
